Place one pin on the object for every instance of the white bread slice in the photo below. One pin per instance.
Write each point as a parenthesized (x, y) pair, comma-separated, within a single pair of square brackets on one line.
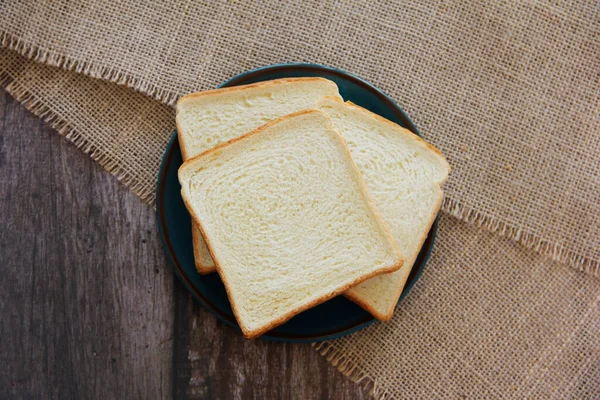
[(287, 219), (403, 174), (207, 119)]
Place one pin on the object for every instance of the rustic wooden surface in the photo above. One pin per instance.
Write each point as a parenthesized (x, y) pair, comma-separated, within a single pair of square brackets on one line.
[(89, 307)]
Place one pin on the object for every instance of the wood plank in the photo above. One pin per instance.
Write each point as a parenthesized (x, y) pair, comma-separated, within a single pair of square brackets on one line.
[(86, 304), (218, 363)]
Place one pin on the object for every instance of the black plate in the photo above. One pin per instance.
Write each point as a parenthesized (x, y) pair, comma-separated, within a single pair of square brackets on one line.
[(332, 319)]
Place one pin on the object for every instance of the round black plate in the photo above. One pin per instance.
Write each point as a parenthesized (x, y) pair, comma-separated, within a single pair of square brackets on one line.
[(332, 319)]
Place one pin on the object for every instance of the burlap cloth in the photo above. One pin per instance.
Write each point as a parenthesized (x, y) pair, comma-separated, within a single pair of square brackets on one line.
[(509, 91)]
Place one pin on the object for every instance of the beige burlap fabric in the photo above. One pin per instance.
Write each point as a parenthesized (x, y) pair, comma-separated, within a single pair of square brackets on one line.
[(509, 91), (125, 131), (479, 325)]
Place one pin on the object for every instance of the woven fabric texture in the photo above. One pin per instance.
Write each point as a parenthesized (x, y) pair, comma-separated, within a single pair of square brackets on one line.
[(487, 319), (507, 90), (125, 131), (510, 91), (479, 325)]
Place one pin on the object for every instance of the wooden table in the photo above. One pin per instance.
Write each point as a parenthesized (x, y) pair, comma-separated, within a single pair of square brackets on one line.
[(89, 307)]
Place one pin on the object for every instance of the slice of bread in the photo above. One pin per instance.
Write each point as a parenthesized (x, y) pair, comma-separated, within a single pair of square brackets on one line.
[(207, 119), (287, 219), (403, 174)]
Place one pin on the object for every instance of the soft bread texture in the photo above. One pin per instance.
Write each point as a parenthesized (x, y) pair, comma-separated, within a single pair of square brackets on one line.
[(204, 262), (207, 119), (403, 174), (287, 219)]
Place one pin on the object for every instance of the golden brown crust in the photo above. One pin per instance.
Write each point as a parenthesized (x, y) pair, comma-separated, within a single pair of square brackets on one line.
[(322, 299), (250, 86), (183, 147), (353, 297), (367, 307), (247, 135), (390, 311), (395, 126), (249, 334), (202, 268), (367, 197), (196, 238), (181, 138)]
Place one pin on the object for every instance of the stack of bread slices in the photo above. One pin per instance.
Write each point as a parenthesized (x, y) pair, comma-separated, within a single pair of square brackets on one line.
[(297, 196)]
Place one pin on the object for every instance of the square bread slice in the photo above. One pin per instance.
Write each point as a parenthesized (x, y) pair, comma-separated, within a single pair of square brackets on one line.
[(287, 219), (403, 174), (207, 119)]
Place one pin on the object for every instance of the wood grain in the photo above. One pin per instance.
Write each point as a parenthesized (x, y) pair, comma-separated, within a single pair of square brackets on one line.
[(218, 363), (86, 305), (89, 307)]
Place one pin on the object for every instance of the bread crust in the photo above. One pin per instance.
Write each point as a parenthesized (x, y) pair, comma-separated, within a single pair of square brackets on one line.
[(231, 89), (201, 268), (205, 269), (252, 334), (181, 139), (252, 85), (385, 317), (395, 127)]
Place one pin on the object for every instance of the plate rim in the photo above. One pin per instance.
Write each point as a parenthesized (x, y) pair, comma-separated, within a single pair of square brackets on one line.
[(161, 215)]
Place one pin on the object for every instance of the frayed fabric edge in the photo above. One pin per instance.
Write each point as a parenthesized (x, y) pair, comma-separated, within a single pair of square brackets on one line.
[(351, 369), (452, 207), (41, 110), (38, 54), (554, 251)]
